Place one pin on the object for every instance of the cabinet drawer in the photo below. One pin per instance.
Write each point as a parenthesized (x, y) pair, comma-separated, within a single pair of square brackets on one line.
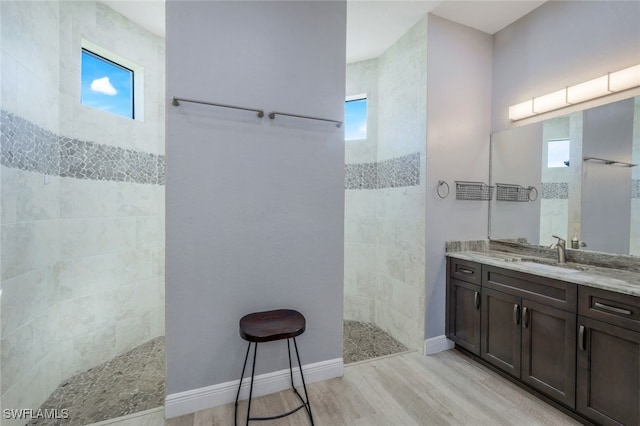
[(465, 271), (550, 292), (614, 308)]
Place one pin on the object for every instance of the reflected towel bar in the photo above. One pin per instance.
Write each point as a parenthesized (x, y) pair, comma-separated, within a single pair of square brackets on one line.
[(176, 102), (273, 114), (609, 162)]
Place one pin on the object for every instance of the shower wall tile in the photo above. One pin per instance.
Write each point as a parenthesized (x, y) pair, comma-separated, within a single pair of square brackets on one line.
[(34, 387), (92, 348), (33, 245), (132, 330), (87, 237), (9, 82), (77, 317), (29, 196), (103, 273), (149, 232), (26, 297), (28, 345)]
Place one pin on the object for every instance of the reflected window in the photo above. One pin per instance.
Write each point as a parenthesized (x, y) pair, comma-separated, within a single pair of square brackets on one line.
[(355, 118), (558, 153)]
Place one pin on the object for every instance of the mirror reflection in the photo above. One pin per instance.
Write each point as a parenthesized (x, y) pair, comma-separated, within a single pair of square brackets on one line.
[(581, 165)]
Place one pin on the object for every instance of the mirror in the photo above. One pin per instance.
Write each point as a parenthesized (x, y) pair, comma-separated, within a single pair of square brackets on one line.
[(579, 165)]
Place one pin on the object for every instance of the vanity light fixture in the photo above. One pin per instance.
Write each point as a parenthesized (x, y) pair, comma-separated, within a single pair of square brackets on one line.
[(613, 82)]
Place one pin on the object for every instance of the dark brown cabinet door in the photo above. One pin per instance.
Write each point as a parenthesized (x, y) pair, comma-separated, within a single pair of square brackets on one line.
[(549, 351), (608, 373), (501, 330), (464, 315)]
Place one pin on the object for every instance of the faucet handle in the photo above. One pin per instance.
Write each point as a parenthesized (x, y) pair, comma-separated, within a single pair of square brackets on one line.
[(560, 239)]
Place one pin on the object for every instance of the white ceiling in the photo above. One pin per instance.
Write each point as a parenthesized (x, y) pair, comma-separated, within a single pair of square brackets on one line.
[(372, 25)]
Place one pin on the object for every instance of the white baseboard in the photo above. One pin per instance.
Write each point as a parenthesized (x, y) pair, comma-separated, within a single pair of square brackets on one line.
[(181, 403), (437, 344)]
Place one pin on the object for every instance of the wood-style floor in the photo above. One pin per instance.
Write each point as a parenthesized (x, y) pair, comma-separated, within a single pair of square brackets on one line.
[(409, 389)]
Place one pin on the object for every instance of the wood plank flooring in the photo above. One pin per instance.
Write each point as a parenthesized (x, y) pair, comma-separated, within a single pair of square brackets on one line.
[(409, 389)]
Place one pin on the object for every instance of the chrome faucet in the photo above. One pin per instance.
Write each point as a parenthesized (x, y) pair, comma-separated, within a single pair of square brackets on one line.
[(561, 245)]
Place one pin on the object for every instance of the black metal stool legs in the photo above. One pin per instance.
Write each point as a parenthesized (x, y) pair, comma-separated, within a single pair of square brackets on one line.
[(306, 404), (305, 401), (244, 366)]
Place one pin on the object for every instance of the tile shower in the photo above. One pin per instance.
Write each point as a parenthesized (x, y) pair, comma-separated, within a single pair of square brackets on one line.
[(385, 193), (82, 201)]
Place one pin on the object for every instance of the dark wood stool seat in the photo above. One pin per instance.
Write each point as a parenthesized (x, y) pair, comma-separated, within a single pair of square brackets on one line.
[(268, 326), (272, 325)]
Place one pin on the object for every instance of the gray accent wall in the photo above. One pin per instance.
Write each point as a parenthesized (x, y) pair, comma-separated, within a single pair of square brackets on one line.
[(516, 159), (606, 204), (254, 206), (458, 128), (559, 44)]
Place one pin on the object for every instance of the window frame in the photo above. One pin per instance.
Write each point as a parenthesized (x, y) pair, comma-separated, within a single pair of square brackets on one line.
[(137, 83)]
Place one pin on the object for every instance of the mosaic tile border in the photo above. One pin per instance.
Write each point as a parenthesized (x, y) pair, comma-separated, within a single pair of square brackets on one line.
[(560, 190), (554, 190), (392, 173), (28, 147)]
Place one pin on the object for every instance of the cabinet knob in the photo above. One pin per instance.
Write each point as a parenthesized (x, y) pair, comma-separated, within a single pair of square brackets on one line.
[(525, 317), (516, 314), (476, 299)]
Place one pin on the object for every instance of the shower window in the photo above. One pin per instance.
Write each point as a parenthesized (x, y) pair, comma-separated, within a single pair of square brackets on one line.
[(106, 85), (355, 118), (110, 82), (558, 153)]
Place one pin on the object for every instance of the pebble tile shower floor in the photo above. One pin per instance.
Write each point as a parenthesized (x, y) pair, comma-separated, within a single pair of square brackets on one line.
[(134, 381)]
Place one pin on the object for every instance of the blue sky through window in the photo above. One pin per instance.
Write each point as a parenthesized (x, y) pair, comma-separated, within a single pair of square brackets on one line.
[(558, 153), (106, 85), (355, 119)]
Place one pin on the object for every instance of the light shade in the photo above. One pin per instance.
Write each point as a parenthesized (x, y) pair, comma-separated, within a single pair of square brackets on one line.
[(550, 102), (522, 110), (618, 81), (624, 79), (588, 90)]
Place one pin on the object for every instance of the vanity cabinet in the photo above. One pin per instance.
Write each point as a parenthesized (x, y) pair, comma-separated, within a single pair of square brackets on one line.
[(608, 358), (463, 309), (528, 330), (576, 344)]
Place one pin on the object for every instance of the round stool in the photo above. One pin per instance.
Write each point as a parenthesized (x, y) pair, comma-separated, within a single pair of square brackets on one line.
[(268, 326)]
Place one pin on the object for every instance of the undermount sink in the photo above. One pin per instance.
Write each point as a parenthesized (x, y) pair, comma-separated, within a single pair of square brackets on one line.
[(550, 266)]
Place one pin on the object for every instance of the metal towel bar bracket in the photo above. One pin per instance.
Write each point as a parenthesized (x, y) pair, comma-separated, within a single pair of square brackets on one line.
[(273, 114), (176, 102)]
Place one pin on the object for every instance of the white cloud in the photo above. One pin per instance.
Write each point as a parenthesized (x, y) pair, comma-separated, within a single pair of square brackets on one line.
[(103, 85)]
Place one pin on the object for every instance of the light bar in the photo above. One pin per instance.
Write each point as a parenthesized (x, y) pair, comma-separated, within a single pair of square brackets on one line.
[(613, 82)]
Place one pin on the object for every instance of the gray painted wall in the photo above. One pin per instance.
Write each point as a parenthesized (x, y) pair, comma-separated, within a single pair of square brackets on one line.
[(458, 128), (606, 189), (516, 159), (254, 206), (558, 44)]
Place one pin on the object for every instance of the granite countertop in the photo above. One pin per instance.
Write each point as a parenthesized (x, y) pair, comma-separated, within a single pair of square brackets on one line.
[(619, 280)]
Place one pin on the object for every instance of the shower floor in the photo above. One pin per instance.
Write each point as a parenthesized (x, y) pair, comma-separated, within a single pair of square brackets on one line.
[(134, 381), (131, 382), (362, 341)]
